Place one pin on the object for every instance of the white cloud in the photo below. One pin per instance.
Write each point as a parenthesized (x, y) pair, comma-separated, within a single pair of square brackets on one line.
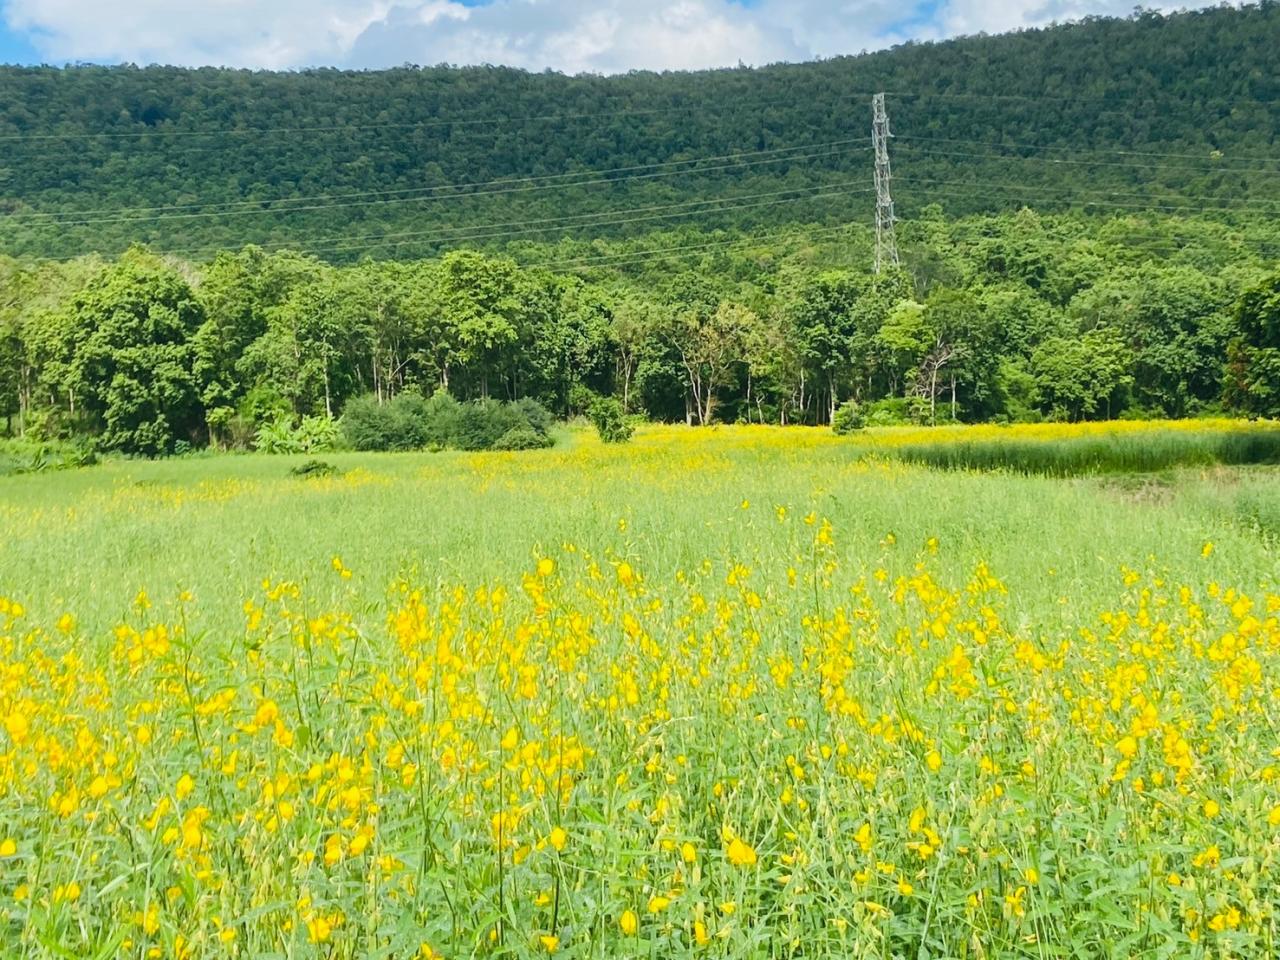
[(603, 36)]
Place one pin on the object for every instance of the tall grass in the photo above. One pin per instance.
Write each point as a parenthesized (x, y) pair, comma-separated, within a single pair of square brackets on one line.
[(1100, 454)]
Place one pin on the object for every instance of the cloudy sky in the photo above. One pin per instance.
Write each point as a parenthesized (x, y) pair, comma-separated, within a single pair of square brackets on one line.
[(601, 36)]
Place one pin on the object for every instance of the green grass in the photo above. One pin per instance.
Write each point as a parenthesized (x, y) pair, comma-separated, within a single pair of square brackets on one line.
[(747, 630), (1089, 455)]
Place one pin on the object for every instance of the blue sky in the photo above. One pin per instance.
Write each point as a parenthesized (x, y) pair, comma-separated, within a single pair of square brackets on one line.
[(599, 36)]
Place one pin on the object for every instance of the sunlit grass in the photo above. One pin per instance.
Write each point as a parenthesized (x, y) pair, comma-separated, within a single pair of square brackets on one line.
[(742, 692)]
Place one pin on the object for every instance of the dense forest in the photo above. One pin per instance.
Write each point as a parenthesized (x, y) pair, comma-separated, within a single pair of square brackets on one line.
[(1176, 113), (1016, 316), (1087, 226)]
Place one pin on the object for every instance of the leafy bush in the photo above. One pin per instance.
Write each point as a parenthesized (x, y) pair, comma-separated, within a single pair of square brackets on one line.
[(849, 418), (22, 455), (314, 469), (522, 438), (400, 424), (411, 423), (610, 420), (310, 435)]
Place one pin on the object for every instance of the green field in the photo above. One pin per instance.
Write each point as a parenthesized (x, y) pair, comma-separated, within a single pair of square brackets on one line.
[(732, 692)]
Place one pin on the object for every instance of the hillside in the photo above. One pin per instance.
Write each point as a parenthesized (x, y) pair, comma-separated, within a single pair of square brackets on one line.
[(1175, 114)]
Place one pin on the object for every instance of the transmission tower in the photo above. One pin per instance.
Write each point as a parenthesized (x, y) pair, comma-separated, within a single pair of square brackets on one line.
[(886, 242)]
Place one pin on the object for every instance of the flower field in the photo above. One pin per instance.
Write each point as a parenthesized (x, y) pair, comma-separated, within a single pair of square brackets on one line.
[(732, 693)]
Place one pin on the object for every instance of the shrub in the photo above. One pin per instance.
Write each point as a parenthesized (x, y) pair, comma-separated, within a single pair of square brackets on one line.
[(441, 414), (848, 418), (310, 435), (522, 438), (411, 423), (314, 469), (610, 420), (399, 424)]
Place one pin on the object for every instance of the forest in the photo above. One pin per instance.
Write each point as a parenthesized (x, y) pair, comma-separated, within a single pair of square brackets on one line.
[(1087, 225), (1177, 113), (999, 317)]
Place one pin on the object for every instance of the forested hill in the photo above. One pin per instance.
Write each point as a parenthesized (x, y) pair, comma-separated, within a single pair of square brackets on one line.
[(1169, 113)]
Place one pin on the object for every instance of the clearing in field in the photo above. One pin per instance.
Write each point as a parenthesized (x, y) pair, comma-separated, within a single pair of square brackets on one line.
[(743, 692)]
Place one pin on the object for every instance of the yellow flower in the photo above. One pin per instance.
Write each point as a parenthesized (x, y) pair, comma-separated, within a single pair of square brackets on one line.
[(546, 567), (184, 787), (319, 930), (1127, 747), (549, 943), (657, 904), (1211, 808), (933, 760), (688, 853), (628, 923), (740, 854), (559, 838), (700, 936), (863, 838), (8, 847)]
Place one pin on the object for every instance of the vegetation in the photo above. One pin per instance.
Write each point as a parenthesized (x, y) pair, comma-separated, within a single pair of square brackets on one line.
[(1177, 112), (408, 422), (996, 318), (1073, 455), (752, 690)]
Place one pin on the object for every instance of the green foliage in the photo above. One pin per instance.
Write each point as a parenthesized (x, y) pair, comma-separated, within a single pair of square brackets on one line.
[(610, 420), (1198, 84), (850, 417), (1134, 452), (522, 438), (408, 422), (1253, 378), (314, 470), (132, 357), (399, 424), (306, 435)]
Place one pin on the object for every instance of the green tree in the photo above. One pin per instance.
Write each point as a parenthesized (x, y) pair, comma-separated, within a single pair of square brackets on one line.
[(1254, 374), (133, 361)]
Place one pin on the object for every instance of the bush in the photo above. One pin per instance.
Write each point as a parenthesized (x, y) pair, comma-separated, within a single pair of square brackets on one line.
[(314, 469), (610, 420), (400, 424), (310, 435), (522, 438), (848, 418), (411, 423)]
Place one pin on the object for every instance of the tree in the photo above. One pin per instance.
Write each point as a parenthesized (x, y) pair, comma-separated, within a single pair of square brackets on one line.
[(1254, 376), (133, 359), (709, 343), (1080, 376)]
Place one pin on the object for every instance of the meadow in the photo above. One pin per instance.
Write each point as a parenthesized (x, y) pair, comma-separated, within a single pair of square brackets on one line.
[(730, 692)]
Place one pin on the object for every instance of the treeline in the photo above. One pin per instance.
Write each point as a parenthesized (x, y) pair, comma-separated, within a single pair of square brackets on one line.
[(1015, 317), (1174, 112)]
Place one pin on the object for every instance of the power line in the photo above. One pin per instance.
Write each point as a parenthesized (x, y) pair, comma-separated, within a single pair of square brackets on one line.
[(1074, 197), (665, 253), (427, 199), (460, 185), (428, 123), (602, 218), (521, 227), (1089, 163), (1050, 98), (1116, 152)]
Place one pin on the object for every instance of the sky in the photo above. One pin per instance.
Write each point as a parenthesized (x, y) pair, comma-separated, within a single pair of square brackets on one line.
[(573, 36)]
